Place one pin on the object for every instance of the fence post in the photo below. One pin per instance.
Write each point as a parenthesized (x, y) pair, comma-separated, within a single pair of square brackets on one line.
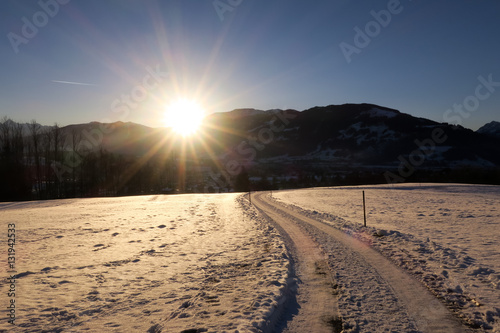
[(364, 208)]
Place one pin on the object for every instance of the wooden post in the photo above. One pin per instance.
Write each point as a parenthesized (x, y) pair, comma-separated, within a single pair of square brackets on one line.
[(364, 208)]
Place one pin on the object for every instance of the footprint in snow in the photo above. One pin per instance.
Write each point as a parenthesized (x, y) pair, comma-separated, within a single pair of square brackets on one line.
[(47, 269)]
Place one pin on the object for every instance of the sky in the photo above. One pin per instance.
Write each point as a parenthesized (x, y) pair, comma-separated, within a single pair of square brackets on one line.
[(76, 61)]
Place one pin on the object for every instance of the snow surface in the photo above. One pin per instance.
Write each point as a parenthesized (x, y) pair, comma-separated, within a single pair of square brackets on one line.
[(153, 263), (491, 128), (376, 112), (212, 263), (375, 132), (446, 235)]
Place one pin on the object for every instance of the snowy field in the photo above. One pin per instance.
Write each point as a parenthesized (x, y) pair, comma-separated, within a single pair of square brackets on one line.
[(211, 263), (446, 235), (194, 263)]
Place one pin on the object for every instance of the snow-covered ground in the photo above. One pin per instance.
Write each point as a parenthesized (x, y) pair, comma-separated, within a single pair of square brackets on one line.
[(206, 263), (212, 263), (446, 235)]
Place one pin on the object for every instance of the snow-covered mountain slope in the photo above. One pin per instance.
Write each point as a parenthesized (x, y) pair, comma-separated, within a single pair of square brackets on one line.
[(362, 134), (491, 129)]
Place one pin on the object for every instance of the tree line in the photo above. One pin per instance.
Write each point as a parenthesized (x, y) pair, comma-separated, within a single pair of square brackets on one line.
[(39, 163)]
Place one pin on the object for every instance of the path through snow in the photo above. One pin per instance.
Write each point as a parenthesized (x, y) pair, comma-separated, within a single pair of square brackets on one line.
[(375, 295), (445, 235), (316, 291)]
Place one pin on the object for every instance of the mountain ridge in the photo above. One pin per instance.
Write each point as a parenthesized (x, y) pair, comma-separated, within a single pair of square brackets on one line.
[(491, 129), (348, 133), (325, 145)]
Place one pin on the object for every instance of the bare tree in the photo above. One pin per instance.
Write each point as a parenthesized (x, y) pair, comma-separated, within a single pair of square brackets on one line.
[(5, 185), (57, 157), (14, 184), (5, 131), (35, 132), (18, 142), (75, 158), (48, 139)]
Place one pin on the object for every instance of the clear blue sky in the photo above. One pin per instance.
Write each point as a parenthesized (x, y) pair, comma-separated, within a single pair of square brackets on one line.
[(252, 53)]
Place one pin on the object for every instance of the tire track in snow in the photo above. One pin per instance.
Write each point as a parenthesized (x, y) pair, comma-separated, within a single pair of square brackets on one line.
[(422, 308), (318, 306)]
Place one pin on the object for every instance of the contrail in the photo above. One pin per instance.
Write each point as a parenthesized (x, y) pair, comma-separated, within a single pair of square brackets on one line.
[(77, 83)]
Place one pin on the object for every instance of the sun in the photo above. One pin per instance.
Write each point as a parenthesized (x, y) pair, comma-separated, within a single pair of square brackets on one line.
[(184, 116)]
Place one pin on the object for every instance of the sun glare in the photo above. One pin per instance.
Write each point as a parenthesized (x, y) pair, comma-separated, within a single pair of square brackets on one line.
[(184, 116)]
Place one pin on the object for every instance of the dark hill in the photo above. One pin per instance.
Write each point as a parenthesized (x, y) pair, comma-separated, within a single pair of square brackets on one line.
[(362, 135), (330, 145), (491, 129)]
